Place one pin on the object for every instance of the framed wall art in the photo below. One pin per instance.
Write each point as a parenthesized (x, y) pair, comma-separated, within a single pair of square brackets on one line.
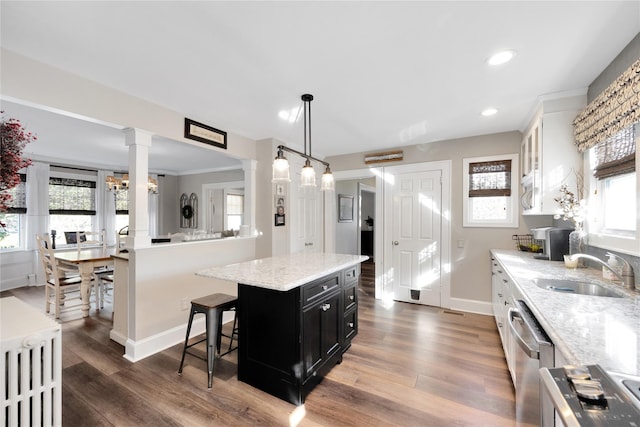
[(345, 208)]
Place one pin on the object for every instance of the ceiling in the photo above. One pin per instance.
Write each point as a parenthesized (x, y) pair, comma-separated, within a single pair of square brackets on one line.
[(383, 74)]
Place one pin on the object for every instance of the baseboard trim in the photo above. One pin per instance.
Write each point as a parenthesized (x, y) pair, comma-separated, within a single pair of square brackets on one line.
[(471, 306), (136, 350)]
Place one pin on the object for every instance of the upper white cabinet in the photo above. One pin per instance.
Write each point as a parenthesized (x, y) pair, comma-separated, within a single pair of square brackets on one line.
[(548, 155)]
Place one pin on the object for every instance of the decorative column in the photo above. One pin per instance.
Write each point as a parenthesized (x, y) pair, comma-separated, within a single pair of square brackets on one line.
[(249, 217), (138, 142)]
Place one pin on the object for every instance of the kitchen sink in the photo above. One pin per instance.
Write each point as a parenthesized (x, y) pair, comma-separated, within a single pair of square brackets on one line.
[(575, 287)]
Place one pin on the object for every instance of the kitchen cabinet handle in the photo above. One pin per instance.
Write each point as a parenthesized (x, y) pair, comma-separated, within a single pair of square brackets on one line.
[(505, 281), (325, 307), (396, 243), (351, 297), (325, 287), (500, 295), (351, 324)]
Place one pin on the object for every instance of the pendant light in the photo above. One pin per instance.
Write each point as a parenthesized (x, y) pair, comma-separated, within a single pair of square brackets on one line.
[(308, 174), (280, 168)]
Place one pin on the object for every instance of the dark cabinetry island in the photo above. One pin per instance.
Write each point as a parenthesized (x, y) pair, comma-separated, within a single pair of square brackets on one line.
[(294, 328)]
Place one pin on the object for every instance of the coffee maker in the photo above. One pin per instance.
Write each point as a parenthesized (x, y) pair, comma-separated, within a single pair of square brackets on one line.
[(556, 242)]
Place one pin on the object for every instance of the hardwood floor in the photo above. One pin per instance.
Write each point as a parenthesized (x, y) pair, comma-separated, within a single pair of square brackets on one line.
[(410, 365)]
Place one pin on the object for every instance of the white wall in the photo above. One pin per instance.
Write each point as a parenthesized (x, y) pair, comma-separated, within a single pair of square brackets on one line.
[(347, 232), (162, 278), (470, 247)]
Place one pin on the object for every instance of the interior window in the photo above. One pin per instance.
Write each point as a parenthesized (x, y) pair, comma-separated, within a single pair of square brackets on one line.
[(12, 230), (613, 223), (235, 210), (489, 193), (72, 205)]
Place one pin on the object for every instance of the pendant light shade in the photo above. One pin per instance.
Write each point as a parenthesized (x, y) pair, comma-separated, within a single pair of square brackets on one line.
[(280, 168), (308, 175), (328, 183)]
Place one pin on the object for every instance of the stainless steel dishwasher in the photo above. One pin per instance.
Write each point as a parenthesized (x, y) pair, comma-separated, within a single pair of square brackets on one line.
[(535, 351)]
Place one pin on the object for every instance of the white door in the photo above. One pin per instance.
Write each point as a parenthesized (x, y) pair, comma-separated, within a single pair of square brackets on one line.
[(415, 236)]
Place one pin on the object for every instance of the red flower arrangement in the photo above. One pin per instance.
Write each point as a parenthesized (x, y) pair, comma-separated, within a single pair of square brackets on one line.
[(14, 137)]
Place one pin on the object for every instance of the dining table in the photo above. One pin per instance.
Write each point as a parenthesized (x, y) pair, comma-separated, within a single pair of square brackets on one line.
[(86, 261)]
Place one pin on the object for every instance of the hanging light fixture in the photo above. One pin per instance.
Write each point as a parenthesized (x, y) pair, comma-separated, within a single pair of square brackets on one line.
[(280, 168), (115, 184), (308, 174)]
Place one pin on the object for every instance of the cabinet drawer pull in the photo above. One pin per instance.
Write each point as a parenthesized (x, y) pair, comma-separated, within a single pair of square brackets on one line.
[(351, 297), (505, 280), (351, 324), (500, 295), (326, 307), (500, 271), (325, 287)]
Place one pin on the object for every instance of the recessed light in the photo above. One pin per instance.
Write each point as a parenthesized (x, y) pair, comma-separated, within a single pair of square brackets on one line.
[(489, 112), (501, 57)]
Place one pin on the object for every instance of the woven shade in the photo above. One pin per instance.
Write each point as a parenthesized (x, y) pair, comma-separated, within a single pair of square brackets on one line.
[(616, 155), (490, 179), (18, 202), (615, 109)]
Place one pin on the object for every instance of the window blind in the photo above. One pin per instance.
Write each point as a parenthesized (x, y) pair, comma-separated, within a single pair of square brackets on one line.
[(17, 204), (616, 155), (68, 196), (122, 202), (235, 204), (490, 179)]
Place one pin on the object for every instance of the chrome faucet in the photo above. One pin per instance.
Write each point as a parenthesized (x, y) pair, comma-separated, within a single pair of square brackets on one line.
[(627, 276)]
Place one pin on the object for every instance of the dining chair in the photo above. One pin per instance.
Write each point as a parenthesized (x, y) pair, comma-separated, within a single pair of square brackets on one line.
[(62, 284), (96, 240)]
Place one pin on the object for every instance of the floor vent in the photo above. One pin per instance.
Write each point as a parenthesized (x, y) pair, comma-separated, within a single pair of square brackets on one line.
[(457, 313)]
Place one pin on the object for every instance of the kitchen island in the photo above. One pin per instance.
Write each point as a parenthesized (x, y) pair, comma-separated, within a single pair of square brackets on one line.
[(297, 316)]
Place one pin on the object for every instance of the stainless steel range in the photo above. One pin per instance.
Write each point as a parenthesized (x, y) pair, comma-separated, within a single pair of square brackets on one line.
[(585, 396)]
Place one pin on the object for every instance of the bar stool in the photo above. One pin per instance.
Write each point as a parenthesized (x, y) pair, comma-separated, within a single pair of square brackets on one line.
[(212, 306)]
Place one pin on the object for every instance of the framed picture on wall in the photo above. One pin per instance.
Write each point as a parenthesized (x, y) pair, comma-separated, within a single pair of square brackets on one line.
[(345, 208), (279, 220)]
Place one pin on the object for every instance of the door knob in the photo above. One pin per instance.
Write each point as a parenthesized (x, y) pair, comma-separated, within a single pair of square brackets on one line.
[(396, 243)]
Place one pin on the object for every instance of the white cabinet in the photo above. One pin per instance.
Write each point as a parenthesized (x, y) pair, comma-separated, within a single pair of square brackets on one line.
[(502, 301), (549, 156)]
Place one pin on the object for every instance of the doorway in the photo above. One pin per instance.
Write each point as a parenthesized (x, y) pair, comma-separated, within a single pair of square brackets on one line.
[(367, 215)]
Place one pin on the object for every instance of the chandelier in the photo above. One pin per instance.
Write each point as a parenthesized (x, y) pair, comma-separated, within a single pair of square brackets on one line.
[(308, 174), (115, 183)]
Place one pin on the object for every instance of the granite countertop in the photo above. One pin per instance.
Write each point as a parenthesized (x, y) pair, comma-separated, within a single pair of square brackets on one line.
[(285, 272), (585, 329)]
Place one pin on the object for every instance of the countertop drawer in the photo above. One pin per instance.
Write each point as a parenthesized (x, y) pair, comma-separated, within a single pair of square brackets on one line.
[(350, 297), (351, 274), (317, 289)]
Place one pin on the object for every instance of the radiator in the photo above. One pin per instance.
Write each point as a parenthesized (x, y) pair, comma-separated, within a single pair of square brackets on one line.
[(31, 366)]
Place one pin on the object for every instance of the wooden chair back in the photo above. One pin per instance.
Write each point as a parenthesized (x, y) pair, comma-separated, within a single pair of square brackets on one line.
[(91, 239)]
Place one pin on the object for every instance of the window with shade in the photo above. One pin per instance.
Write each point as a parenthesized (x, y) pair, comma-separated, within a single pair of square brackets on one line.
[(613, 162), (13, 220), (234, 208), (489, 191), (72, 204)]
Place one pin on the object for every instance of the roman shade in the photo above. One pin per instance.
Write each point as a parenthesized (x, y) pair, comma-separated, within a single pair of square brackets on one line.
[(72, 196), (490, 179), (616, 155), (17, 204), (615, 109)]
